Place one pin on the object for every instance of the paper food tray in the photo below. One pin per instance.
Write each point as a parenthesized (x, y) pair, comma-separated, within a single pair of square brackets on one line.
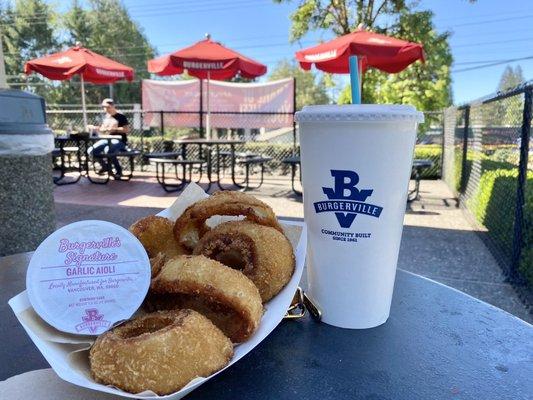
[(68, 354)]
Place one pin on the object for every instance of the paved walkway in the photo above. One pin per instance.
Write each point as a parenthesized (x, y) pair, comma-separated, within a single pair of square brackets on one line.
[(438, 242)]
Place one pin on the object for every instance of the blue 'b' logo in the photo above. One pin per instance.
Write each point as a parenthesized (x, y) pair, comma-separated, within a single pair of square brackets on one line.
[(346, 200)]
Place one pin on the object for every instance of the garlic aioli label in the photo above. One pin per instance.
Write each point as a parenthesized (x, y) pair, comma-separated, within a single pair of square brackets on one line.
[(88, 275)]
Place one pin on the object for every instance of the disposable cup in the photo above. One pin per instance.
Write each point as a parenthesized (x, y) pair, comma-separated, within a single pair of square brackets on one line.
[(356, 164)]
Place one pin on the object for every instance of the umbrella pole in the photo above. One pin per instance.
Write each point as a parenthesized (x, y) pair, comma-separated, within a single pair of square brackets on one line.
[(83, 106), (208, 117)]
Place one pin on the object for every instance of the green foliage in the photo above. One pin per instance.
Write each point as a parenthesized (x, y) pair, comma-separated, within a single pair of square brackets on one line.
[(116, 35), (493, 202), (487, 162), (494, 206), (506, 112), (309, 88), (32, 29), (430, 152), (511, 78), (341, 16), (426, 86), (78, 23), (28, 31)]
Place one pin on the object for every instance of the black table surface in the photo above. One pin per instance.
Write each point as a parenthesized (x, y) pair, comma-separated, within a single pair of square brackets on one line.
[(209, 141), (437, 344)]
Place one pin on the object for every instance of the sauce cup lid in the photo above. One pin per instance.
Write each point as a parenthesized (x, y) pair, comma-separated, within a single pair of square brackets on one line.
[(87, 276)]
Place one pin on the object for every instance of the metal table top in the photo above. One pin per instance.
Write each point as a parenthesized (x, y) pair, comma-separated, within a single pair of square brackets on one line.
[(438, 344)]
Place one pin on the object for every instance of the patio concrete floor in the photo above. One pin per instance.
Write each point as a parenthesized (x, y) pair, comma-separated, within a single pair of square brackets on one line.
[(438, 241)]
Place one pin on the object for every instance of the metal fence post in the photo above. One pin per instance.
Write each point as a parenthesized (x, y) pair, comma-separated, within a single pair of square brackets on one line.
[(521, 186), (162, 122), (442, 149), (142, 142), (201, 112), (465, 150)]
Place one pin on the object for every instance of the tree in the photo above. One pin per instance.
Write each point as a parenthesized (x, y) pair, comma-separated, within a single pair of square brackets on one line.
[(514, 105), (27, 32), (31, 29), (340, 16), (78, 23), (510, 78), (309, 88), (507, 111), (117, 36), (424, 85), (427, 86)]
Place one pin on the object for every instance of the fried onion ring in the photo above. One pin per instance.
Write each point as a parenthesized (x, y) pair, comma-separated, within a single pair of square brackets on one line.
[(190, 226), (224, 295), (262, 253), (156, 235), (157, 262), (161, 351)]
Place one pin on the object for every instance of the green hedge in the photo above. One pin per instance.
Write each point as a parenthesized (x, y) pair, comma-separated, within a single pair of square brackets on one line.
[(493, 205), (432, 152), (487, 163)]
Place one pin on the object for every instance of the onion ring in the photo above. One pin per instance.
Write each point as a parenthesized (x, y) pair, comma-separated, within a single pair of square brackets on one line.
[(222, 294), (161, 351), (262, 253), (156, 235), (190, 226)]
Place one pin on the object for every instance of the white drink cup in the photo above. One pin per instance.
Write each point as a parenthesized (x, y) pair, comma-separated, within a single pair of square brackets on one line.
[(356, 165)]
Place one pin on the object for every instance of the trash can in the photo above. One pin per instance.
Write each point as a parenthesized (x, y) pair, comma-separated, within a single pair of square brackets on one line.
[(27, 214)]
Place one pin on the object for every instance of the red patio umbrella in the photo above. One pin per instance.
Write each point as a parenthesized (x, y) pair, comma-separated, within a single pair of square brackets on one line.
[(207, 59), (372, 49), (77, 60)]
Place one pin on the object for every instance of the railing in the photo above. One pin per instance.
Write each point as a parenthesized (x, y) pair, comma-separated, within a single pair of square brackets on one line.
[(485, 161)]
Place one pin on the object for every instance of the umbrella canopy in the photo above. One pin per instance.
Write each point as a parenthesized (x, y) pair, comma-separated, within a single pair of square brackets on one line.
[(373, 50), (78, 60), (207, 59)]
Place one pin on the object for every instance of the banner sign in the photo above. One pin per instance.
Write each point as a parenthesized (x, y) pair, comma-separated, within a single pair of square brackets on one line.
[(232, 105)]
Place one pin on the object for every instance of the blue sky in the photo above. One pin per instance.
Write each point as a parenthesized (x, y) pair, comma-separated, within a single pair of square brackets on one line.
[(486, 31)]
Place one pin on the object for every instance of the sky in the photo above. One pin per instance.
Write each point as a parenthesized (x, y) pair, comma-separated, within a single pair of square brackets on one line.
[(484, 32)]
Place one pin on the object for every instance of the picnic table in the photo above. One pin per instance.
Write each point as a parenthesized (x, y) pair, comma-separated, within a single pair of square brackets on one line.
[(209, 144), (63, 151), (438, 343), (419, 165), (81, 146)]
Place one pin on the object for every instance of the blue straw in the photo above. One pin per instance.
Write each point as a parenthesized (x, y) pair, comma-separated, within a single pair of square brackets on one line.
[(354, 80)]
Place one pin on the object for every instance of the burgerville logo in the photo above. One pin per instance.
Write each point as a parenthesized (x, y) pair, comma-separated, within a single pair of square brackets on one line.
[(346, 200)]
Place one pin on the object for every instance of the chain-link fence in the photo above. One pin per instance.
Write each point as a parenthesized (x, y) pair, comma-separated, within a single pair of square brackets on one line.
[(486, 148), (161, 131), (155, 131), (429, 143)]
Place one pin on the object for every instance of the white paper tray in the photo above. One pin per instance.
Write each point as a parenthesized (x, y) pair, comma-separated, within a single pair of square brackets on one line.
[(70, 360)]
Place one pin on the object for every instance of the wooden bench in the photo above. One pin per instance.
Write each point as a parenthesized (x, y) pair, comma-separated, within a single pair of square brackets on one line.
[(161, 163)]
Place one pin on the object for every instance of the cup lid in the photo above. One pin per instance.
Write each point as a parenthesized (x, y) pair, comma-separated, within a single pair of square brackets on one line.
[(87, 276), (359, 112)]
